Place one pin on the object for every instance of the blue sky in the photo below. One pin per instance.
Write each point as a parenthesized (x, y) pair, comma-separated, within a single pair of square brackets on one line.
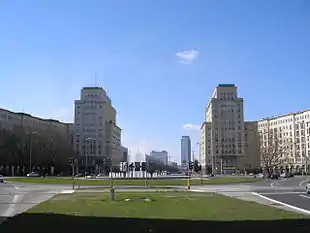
[(50, 49)]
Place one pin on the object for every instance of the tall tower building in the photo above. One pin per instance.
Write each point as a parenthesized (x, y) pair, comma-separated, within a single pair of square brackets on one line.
[(222, 139), (185, 150), (97, 138)]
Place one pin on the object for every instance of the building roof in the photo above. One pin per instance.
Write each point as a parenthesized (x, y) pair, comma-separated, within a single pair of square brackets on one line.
[(22, 114), (284, 115), (226, 85)]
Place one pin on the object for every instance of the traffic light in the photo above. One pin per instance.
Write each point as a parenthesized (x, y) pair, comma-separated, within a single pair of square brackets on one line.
[(190, 165), (70, 161)]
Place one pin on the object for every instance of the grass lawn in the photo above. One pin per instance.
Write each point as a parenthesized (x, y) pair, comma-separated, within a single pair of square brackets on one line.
[(167, 212), (150, 182)]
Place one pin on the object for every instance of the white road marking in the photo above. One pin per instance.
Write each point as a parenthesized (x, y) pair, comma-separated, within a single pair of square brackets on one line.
[(279, 193), (197, 190), (277, 181), (67, 191), (302, 182), (282, 203), (304, 196)]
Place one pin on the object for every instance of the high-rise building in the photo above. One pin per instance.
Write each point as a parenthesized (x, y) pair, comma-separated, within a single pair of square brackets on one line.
[(97, 138), (185, 150), (228, 143), (223, 131)]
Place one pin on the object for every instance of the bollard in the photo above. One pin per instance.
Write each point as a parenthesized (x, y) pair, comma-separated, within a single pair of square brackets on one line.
[(112, 194)]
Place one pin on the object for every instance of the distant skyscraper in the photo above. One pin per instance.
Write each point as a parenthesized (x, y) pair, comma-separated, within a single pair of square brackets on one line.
[(185, 150)]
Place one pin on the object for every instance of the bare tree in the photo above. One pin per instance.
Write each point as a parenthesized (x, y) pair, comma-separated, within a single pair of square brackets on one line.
[(275, 150)]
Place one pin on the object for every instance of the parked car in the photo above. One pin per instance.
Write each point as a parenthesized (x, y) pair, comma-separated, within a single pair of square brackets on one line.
[(91, 176), (100, 175), (1, 179), (33, 174)]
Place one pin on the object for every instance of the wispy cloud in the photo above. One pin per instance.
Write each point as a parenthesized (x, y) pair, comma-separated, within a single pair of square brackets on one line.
[(187, 56), (191, 127)]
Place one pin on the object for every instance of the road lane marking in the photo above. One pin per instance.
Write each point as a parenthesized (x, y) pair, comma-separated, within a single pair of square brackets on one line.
[(277, 181), (304, 196), (197, 190), (282, 203), (67, 191), (279, 193), (302, 182)]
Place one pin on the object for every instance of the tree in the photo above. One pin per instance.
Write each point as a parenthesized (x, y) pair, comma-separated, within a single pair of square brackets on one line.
[(274, 149)]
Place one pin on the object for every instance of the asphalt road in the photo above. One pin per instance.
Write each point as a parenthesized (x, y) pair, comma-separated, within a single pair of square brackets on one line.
[(288, 192), (16, 198)]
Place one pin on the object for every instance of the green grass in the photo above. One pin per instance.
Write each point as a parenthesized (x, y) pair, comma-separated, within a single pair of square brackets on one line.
[(150, 182), (168, 212)]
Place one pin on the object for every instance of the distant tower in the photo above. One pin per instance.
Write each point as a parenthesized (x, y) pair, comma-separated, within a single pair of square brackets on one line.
[(185, 150)]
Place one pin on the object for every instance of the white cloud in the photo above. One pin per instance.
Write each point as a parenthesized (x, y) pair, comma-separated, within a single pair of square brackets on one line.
[(191, 127), (187, 56)]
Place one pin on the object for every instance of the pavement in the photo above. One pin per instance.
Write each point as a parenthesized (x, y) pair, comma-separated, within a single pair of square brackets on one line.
[(288, 194)]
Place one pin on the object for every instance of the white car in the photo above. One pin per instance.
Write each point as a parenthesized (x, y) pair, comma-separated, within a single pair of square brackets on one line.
[(1, 179), (100, 175), (33, 174)]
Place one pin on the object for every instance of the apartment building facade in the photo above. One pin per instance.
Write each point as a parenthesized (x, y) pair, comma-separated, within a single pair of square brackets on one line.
[(97, 137), (292, 129), (227, 141), (30, 124)]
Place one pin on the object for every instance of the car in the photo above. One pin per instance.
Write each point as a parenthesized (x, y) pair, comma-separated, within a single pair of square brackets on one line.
[(1, 179), (91, 176), (33, 174), (100, 175)]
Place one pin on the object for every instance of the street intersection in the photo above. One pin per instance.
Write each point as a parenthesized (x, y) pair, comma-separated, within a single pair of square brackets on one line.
[(285, 193)]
